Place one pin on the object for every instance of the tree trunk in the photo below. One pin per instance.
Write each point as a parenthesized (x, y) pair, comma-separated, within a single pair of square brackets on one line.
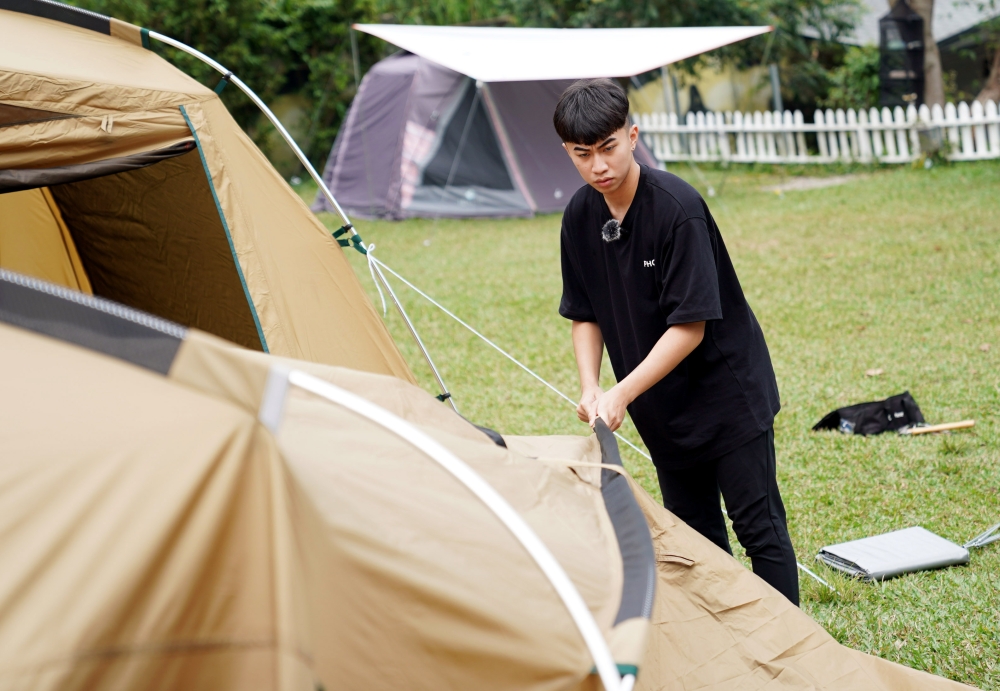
[(991, 89), (933, 82)]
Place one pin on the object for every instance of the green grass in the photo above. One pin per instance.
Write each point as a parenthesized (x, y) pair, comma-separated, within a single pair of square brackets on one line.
[(898, 270)]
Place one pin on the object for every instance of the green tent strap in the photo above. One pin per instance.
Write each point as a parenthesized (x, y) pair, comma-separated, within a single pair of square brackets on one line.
[(144, 33), (623, 670), (223, 82), (355, 240)]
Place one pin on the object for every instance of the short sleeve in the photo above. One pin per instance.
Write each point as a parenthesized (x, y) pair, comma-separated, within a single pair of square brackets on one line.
[(690, 288), (575, 303)]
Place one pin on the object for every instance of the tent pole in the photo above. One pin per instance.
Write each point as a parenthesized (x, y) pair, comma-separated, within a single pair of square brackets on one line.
[(550, 567), (445, 395), (229, 76), (465, 134)]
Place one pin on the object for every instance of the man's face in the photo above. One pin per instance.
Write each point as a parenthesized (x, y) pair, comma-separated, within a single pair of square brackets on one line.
[(605, 164)]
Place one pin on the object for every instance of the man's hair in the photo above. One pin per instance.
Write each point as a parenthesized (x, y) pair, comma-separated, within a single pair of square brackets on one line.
[(590, 111)]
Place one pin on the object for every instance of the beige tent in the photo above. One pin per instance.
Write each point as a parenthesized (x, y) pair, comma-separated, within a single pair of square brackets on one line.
[(121, 176), (210, 517), (182, 531), (179, 512)]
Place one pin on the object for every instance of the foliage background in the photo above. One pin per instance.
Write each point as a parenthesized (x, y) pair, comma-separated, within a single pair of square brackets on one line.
[(303, 47), (854, 83)]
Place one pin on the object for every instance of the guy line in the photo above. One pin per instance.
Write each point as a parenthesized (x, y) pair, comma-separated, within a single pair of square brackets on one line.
[(539, 378)]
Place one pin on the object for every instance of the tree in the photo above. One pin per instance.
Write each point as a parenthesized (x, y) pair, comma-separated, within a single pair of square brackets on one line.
[(228, 30), (933, 77), (304, 47), (991, 89), (989, 33), (855, 83)]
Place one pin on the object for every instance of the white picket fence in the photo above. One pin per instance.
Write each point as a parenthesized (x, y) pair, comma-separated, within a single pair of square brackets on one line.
[(888, 136)]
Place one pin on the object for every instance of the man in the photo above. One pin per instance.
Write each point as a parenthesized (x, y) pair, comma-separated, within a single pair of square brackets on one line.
[(645, 273)]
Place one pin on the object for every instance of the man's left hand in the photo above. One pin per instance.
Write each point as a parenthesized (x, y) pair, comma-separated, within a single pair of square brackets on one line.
[(611, 407)]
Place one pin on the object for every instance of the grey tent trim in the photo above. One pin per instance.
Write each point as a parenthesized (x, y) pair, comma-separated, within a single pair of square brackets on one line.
[(57, 11), (632, 531), (101, 325), (16, 180)]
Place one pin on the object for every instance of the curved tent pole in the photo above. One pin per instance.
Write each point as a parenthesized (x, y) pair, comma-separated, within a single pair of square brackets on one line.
[(271, 409), (230, 77), (347, 225)]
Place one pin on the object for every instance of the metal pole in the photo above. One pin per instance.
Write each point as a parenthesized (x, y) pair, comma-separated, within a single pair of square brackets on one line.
[(413, 332), (229, 76), (667, 105), (776, 88), (465, 133)]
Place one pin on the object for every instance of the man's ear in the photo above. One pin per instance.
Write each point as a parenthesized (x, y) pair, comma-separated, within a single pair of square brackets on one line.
[(633, 136), (564, 147)]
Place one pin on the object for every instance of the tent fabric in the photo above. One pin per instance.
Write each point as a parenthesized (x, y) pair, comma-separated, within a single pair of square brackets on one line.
[(469, 129), (423, 140), (361, 142), (510, 54), (77, 96), (34, 240), (396, 153), (717, 626), (208, 544)]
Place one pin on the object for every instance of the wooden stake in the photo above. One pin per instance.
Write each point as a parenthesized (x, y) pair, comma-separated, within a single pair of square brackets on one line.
[(941, 428)]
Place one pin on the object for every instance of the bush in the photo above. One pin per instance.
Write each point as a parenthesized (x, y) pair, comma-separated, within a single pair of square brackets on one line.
[(301, 49), (855, 84)]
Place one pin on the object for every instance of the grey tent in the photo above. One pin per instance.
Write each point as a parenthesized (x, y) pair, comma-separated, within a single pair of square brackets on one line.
[(423, 140)]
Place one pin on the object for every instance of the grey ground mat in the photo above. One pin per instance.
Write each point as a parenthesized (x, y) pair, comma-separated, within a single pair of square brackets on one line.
[(893, 554)]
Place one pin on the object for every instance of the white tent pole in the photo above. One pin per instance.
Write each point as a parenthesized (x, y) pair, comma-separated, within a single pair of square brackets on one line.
[(322, 186), (475, 483), (377, 272), (230, 77)]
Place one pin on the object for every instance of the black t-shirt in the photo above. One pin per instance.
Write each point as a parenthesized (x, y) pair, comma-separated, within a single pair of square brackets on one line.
[(670, 266)]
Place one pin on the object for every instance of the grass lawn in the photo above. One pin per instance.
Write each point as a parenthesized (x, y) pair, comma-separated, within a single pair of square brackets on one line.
[(896, 269)]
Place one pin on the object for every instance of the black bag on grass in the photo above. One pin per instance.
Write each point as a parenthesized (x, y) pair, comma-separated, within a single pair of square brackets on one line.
[(874, 417)]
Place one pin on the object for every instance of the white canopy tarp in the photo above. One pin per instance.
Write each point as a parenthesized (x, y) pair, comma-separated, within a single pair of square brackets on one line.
[(493, 54)]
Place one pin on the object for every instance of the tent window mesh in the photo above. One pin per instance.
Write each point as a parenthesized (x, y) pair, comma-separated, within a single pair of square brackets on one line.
[(480, 162)]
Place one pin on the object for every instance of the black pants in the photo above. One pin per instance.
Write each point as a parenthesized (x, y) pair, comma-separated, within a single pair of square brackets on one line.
[(746, 479)]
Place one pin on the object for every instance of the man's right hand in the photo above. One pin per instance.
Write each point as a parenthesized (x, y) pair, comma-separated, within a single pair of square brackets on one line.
[(587, 408)]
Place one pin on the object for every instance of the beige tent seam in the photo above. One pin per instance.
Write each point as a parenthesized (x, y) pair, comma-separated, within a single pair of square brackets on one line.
[(126, 32), (152, 100), (69, 141), (233, 208), (26, 85)]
